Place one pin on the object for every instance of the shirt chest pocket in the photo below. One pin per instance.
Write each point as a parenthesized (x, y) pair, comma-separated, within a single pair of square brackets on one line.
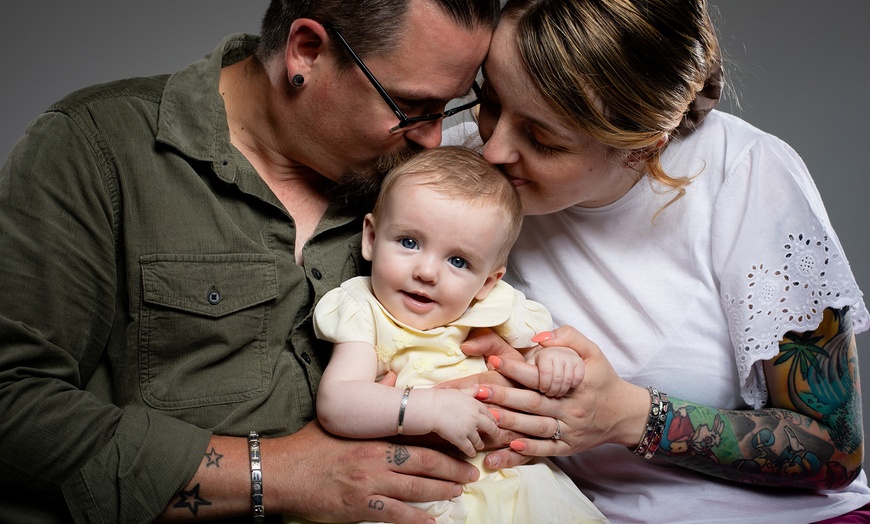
[(203, 328)]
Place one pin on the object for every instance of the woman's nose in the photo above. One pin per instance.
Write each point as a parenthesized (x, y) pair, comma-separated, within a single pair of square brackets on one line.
[(498, 149)]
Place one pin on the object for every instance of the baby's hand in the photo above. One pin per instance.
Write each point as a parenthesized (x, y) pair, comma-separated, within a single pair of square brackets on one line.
[(460, 419), (559, 370)]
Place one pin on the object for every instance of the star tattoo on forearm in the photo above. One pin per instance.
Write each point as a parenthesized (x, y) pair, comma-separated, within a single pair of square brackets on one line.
[(191, 500), (213, 458)]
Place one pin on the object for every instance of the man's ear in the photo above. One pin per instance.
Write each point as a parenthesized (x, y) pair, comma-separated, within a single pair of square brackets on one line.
[(306, 41), (490, 283), (368, 236)]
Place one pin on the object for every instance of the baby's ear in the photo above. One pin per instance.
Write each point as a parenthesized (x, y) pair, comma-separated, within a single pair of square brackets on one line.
[(368, 236), (490, 283)]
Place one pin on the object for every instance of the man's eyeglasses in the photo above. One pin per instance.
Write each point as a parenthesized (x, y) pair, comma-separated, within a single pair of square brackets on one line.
[(406, 122)]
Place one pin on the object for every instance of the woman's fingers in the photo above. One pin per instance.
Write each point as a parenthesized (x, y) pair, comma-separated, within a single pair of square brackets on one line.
[(531, 425), (485, 342), (505, 458), (541, 448), (518, 370), (487, 377), (524, 400), (569, 337)]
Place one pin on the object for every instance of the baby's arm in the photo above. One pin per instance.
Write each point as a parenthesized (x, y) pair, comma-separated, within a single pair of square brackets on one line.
[(351, 404), (559, 369)]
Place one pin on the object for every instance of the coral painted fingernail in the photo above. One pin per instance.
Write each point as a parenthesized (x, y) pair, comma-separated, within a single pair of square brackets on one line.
[(543, 337), (495, 361), (516, 445), (496, 415), (483, 393)]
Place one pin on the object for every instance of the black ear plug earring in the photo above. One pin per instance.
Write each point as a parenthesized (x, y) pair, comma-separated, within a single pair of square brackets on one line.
[(297, 80)]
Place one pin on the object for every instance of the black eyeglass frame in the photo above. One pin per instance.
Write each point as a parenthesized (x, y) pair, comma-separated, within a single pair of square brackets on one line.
[(404, 120)]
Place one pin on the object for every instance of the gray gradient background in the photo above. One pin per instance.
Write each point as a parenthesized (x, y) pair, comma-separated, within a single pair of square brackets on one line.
[(798, 68)]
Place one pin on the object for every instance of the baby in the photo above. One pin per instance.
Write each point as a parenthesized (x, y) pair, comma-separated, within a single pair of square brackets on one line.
[(438, 239)]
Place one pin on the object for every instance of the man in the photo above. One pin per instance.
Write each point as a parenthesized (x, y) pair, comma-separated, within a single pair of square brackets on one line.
[(164, 241)]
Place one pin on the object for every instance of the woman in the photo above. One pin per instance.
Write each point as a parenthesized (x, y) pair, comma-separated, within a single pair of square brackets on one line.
[(697, 258)]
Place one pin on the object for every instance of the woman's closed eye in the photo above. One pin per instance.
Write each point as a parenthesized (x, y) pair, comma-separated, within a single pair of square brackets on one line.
[(539, 147)]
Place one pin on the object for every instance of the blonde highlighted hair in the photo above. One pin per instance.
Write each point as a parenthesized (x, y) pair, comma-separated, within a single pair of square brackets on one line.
[(461, 174), (624, 72)]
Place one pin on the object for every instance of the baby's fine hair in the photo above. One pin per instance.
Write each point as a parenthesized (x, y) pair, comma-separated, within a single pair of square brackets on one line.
[(461, 174)]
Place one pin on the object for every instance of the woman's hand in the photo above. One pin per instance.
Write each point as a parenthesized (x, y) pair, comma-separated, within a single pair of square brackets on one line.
[(602, 409), (484, 342)]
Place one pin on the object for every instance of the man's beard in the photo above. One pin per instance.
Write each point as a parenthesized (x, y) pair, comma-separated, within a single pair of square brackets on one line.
[(356, 191)]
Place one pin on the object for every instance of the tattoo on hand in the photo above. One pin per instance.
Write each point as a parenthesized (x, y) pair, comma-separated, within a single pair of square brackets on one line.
[(397, 455), (191, 500), (376, 504), (214, 458)]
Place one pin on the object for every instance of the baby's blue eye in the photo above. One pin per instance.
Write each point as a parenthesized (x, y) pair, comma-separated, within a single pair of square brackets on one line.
[(408, 243), (458, 262)]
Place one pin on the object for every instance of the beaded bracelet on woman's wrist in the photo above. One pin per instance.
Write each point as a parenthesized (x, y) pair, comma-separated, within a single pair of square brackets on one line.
[(655, 424)]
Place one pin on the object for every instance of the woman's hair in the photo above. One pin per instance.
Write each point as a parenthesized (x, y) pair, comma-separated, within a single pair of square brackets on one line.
[(372, 27), (461, 174), (624, 72)]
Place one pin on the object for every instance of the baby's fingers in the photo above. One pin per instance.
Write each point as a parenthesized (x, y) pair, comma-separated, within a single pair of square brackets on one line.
[(486, 422), (576, 376), (545, 374), (562, 381), (467, 445)]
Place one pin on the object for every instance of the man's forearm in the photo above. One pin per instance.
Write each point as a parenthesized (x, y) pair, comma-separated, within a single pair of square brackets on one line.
[(221, 487)]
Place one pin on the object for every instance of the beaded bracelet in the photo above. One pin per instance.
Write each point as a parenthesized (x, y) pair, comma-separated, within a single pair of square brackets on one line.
[(400, 426), (655, 424), (256, 478)]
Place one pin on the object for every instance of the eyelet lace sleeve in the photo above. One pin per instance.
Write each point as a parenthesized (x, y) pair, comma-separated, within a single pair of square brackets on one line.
[(781, 262)]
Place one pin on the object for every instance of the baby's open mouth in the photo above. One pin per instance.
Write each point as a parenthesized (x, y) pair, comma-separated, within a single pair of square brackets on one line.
[(419, 298)]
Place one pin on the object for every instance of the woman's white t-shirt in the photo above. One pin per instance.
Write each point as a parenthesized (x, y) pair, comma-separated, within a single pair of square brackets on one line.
[(690, 301)]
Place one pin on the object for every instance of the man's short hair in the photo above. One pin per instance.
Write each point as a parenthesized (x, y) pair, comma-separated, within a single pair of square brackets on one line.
[(372, 27)]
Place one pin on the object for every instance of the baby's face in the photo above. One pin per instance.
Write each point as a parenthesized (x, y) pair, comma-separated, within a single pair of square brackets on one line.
[(432, 255)]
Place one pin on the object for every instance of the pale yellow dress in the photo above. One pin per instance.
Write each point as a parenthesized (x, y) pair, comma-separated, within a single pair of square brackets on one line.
[(537, 492)]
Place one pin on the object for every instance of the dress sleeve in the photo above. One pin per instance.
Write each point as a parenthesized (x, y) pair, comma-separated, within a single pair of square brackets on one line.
[(340, 317), (777, 257), (527, 319)]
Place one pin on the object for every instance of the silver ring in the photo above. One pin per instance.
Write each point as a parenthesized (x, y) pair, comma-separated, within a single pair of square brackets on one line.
[(558, 434)]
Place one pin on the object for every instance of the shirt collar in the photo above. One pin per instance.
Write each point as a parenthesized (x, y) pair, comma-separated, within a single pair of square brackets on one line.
[(192, 116)]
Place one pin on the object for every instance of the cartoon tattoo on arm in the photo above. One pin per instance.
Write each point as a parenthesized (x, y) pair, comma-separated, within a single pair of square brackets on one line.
[(810, 433)]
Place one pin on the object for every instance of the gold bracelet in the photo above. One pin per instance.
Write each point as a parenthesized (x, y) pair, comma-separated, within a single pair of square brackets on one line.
[(400, 427)]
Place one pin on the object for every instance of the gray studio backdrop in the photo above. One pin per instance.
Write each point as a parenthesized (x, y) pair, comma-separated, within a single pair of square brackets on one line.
[(797, 68)]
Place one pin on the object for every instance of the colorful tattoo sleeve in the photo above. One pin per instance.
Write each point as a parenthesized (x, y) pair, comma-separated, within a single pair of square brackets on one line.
[(810, 433)]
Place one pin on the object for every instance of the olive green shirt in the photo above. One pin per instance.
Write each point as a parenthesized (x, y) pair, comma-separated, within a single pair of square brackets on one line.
[(149, 297)]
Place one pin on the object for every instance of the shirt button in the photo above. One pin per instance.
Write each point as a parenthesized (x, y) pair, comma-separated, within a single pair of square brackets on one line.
[(214, 296), (306, 358), (317, 274)]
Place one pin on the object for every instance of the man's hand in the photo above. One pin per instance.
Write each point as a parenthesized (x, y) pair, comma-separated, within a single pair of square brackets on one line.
[(316, 475)]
